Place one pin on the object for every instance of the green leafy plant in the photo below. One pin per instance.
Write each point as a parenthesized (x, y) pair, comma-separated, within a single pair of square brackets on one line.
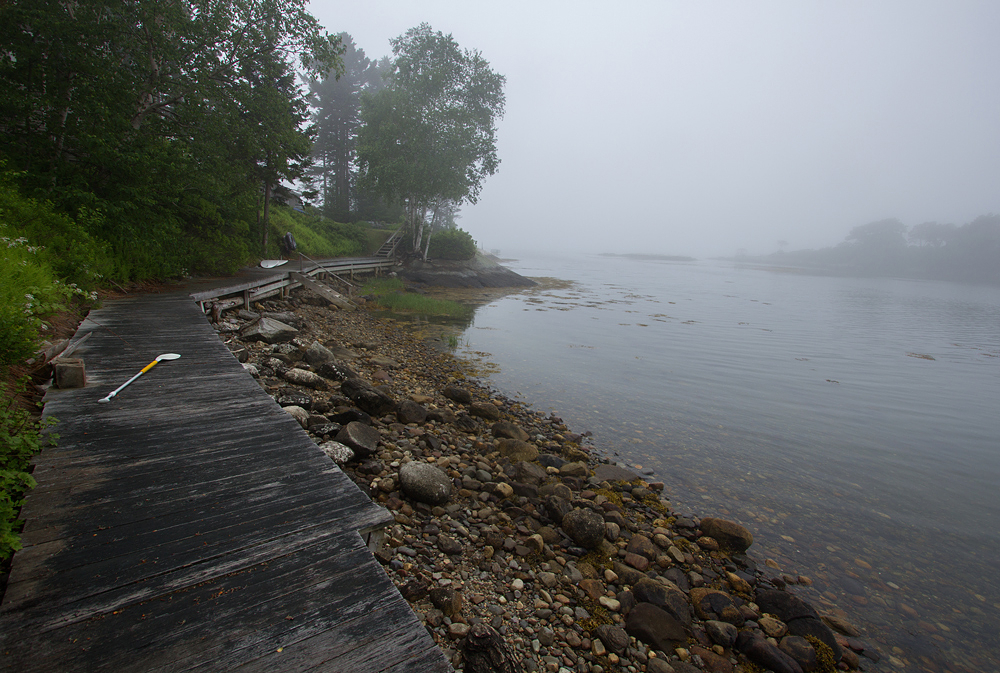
[(21, 437), (452, 244)]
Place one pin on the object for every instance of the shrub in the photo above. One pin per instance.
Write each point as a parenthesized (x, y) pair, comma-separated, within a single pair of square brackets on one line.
[(452, 244), (21, 437)]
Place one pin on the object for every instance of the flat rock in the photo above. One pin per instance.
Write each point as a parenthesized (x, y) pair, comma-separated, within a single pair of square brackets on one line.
[(784, 605), (269, 331), (409, 411), (317, 354), (608, 472), (361, 438), (614, 638), (715, 604)]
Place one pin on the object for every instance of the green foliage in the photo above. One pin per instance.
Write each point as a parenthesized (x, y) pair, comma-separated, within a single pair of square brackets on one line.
[(155, 126), (21, 437), (452, 244), (431, 132), (318, 237), (29, 291)]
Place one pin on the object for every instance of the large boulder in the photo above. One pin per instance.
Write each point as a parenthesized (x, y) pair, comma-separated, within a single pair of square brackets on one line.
[(425, 483), (318, 354), (457, 394), (585, 527), (516, 450), (655, 627), (669, 598), (485, 410), (367, 398), (361, 438), (728, 534), (269, 331)]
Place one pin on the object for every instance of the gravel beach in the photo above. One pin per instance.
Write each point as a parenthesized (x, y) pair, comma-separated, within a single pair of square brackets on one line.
[(515, 541)]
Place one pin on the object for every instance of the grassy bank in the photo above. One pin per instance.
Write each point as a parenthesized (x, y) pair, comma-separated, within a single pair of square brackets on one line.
[(389, 293)]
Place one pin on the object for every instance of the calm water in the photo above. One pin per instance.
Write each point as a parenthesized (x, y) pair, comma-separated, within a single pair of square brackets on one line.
[(852, 424)]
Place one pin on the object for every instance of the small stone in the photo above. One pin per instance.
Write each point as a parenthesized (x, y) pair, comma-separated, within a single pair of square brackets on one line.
[(772, 627), (299, 414), (337, 452), (449, 545), (610, 603), (458, 630), (447, 600)]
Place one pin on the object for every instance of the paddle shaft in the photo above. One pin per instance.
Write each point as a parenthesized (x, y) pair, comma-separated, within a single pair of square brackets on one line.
[(122, 386)]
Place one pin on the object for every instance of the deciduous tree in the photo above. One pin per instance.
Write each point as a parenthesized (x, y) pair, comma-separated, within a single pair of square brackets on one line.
[(431, 132)]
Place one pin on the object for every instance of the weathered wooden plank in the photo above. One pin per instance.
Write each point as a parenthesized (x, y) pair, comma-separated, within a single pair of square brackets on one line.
[(324, 291), (177, 527)]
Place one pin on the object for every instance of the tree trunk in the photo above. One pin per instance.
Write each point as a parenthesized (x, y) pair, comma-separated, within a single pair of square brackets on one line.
[(267, 213)]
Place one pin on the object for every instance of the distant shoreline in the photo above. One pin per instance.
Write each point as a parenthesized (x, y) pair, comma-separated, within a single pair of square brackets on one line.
[(656, 258)]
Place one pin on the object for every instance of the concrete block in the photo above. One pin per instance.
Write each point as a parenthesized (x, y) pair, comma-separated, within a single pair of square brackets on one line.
[(69, 373)]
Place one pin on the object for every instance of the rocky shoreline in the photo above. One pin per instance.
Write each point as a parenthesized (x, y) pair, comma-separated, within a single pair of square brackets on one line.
[(515, 542)]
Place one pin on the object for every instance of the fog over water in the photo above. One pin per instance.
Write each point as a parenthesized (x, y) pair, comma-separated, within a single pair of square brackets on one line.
[(705, 128)]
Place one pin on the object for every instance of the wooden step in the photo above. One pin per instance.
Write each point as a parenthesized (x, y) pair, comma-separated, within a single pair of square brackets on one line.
[(325, 291)]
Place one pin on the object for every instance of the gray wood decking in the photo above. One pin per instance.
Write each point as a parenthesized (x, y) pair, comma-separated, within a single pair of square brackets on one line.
[(190, 524)]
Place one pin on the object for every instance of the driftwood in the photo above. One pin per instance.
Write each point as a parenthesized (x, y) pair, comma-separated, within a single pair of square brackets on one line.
[(224, 305), (485, 651)]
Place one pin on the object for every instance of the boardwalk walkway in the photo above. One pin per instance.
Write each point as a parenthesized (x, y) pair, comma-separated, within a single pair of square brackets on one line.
[(190, 524)]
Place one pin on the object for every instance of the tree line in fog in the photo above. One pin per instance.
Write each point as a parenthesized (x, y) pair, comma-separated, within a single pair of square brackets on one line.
[(932, 250)]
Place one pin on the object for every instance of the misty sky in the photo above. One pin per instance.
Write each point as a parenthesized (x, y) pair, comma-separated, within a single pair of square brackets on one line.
[(704, 127)]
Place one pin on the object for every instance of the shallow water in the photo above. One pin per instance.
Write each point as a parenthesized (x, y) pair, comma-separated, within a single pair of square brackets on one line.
[(852, 424)]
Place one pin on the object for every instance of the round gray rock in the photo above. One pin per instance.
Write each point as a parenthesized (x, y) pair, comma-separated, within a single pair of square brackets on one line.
[(585, 527), (424, 482)]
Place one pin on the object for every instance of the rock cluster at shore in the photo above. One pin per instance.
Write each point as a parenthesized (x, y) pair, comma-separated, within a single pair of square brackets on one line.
[(514, 543)]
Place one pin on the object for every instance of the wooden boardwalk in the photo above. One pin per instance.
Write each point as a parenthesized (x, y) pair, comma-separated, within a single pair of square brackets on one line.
[(191, 525)]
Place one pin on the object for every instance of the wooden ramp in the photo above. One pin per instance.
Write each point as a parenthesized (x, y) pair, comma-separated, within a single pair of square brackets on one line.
[(191, 525)]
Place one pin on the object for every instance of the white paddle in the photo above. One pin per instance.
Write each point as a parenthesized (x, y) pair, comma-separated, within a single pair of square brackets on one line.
[(165, 356)]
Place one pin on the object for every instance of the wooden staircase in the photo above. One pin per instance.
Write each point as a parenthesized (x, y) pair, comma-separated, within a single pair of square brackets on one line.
[(388, 249)]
